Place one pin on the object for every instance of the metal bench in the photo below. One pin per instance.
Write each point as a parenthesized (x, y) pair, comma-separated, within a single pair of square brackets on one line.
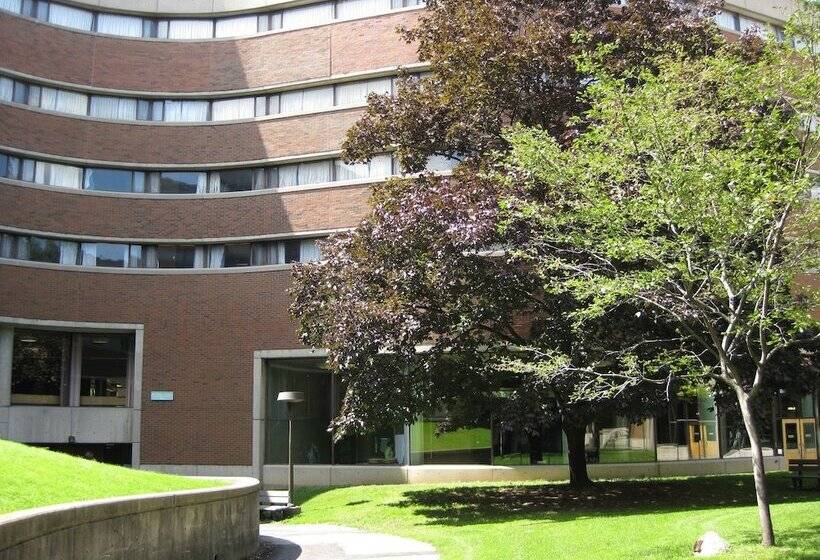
[(804, 469)]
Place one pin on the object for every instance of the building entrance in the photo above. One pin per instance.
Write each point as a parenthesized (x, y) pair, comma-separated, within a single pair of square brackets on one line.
[(800, 439)]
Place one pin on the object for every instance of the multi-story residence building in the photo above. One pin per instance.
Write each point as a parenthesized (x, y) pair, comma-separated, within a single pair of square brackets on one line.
[(162, 166)]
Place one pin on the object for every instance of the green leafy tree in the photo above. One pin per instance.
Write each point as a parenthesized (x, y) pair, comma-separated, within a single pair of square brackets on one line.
[(423, 270), (689, 192)]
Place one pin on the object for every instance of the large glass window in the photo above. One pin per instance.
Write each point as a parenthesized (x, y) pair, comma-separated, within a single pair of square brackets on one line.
[(115, 180), (616, 440), (116, 24), (311, 440), (237, 254), (466, 446), (104, 369), (531, 445), (41, 249), (176, 256), (235, 180), (40, 367), (181, 182)]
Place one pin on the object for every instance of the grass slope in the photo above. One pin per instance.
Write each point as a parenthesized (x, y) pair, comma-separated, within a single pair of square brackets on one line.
[(615, 520), (32, 477)]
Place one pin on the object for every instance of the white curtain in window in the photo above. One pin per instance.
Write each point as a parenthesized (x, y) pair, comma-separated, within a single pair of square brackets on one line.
[(233, 109), (214, 183), (309, 251), (89, 254), (236, 26), (350, 172), (288, 175), (315, 172), (291, 102), (317, 98), (304, 16), (6, 89), (725, 20), (64, 101), (381, 166), (360, 8), (115, 24), (199, 256), (216, 256), (186, 111), (190, 29), (6, 246), (23, 246), (58, 175), (119, 108), (381, 86), (68, 252), (70, 17), (149, 256), (354, 93), (11, 5), (756, 27), (441, 163)]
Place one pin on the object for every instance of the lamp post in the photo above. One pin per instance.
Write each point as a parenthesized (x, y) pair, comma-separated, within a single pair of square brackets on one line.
[(290, 398)]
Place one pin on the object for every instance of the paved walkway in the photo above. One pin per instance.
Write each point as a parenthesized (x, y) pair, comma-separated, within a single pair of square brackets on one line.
[(332, 542)]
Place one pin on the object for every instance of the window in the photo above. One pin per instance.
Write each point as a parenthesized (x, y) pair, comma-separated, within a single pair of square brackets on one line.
[(233, 109), (40, 366), (236, 26), (45, 250), (190, 29), (105, 361), (237, 254), (360, 8), (6, 89), (64, 101), (176, 256), (20, 94), (70, 17), (118, 108), (4, 165), (181, 182), (728, 20), (115, 24), (114, 180), (114, 255), (11, 5), (186, 111), (57, 175), (235, 180), (304, 16)]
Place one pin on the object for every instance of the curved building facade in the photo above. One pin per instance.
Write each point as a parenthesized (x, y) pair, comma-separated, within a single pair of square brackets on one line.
[(162, 166)]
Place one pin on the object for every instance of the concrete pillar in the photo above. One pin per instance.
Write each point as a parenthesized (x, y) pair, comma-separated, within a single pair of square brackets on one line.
[(6, 352)]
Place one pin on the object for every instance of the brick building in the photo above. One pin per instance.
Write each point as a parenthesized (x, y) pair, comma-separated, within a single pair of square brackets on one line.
[(162, 166)]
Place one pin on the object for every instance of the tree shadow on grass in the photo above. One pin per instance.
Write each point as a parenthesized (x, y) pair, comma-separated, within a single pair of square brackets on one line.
[(468, 505)]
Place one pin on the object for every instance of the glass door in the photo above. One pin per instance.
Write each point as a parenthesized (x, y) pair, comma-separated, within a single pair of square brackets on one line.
[(799, 438)]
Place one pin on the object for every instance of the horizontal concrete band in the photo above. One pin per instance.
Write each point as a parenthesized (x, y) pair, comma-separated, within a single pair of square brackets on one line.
[(186, 7), (349, 475), (195, 524)]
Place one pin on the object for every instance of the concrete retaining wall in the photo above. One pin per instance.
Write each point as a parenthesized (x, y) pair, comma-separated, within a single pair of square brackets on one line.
[(343, 475), (212, 524)]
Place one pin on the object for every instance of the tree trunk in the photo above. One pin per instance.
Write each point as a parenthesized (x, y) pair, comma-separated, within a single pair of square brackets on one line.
[(576, 455), (761, 489)]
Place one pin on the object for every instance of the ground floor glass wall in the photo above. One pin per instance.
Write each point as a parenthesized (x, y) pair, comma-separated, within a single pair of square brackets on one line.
[(692, 428)]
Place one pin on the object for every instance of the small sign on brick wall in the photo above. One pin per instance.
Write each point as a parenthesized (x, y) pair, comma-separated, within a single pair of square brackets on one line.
[(162, 395)]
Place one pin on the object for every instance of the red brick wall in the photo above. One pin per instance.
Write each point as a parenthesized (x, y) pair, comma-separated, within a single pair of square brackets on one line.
[(130, 143), (118, 63), (182, 218), (200, 335)]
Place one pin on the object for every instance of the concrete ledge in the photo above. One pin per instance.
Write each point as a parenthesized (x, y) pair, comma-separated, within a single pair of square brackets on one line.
[(210, 523)]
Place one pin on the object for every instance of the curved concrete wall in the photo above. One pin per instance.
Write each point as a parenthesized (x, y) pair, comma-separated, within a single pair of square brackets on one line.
[(74, 212), (214, 523), (55, 53)]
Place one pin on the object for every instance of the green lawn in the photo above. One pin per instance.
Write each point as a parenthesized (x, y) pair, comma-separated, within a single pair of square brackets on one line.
[(32, 477), (615, 520)]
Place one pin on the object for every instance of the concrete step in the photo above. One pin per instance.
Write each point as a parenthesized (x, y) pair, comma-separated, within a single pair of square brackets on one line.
[(273, 497), (278, 512)]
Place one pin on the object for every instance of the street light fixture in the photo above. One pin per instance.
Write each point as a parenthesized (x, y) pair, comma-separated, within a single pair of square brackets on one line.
[(290, 398)]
